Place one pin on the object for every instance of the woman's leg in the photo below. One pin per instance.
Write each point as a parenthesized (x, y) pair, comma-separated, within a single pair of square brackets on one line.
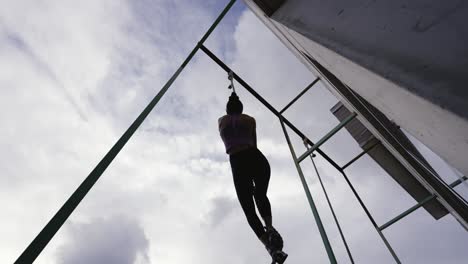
[(261, 180), (244, 189)]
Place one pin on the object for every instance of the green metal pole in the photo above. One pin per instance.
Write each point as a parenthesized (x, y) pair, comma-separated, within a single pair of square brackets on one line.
[(384, 239), (331, 208), (265, 103), (415, 207), (318, 221), (52, 227), (327, 136), (299, 95)]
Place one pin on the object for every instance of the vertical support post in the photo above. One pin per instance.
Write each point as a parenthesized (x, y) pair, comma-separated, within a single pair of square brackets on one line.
[(384, 239), (318, 221), (331, 207), (52, 227)]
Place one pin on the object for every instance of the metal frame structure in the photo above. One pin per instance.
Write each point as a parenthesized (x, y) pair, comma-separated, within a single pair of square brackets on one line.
[(52, 227)]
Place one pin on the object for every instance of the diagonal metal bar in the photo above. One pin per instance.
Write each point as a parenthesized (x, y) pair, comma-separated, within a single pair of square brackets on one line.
[(364, 207), (417, 206), (360, 155), (300, 94), (313, 207), (331, 208), (452, 200), (266, 104), (327, 137), (48, 232)]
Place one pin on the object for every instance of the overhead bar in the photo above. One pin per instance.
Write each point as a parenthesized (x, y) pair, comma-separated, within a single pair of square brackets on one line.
[(266, 104)]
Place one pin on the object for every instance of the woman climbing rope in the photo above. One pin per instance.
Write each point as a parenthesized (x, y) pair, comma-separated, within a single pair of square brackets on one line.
[(251, 173)]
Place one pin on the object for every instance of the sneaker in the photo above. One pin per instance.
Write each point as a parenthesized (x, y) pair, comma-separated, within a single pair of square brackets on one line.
[(275, 241), (278, 257)]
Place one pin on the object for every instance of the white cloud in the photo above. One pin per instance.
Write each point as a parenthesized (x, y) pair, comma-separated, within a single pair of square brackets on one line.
[(115, 239), (171, 185)]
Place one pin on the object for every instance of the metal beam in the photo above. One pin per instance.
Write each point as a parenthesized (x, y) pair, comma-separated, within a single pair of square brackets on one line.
[(360, 155), (313, 207), (417, 206), (300, 94), (377, 124), (48, 232), (327, 137), (364, 207), (331, 209)]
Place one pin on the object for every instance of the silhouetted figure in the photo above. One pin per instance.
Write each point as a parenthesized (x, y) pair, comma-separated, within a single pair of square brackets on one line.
[(251, 173)]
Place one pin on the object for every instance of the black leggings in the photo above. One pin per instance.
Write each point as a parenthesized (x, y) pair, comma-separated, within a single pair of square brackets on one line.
[(251, 173)]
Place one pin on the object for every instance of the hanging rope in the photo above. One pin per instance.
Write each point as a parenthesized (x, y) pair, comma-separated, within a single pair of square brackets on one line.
[(329, 203), (231, 78)]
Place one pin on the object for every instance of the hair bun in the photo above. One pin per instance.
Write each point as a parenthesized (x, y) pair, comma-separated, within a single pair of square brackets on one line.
[(233, 97), (234, 105)]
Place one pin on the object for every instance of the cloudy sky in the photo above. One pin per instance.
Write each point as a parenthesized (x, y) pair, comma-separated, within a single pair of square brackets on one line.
[(75, 74)]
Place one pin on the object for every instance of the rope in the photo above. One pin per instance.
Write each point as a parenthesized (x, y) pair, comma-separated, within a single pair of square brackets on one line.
[(330, 205)]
